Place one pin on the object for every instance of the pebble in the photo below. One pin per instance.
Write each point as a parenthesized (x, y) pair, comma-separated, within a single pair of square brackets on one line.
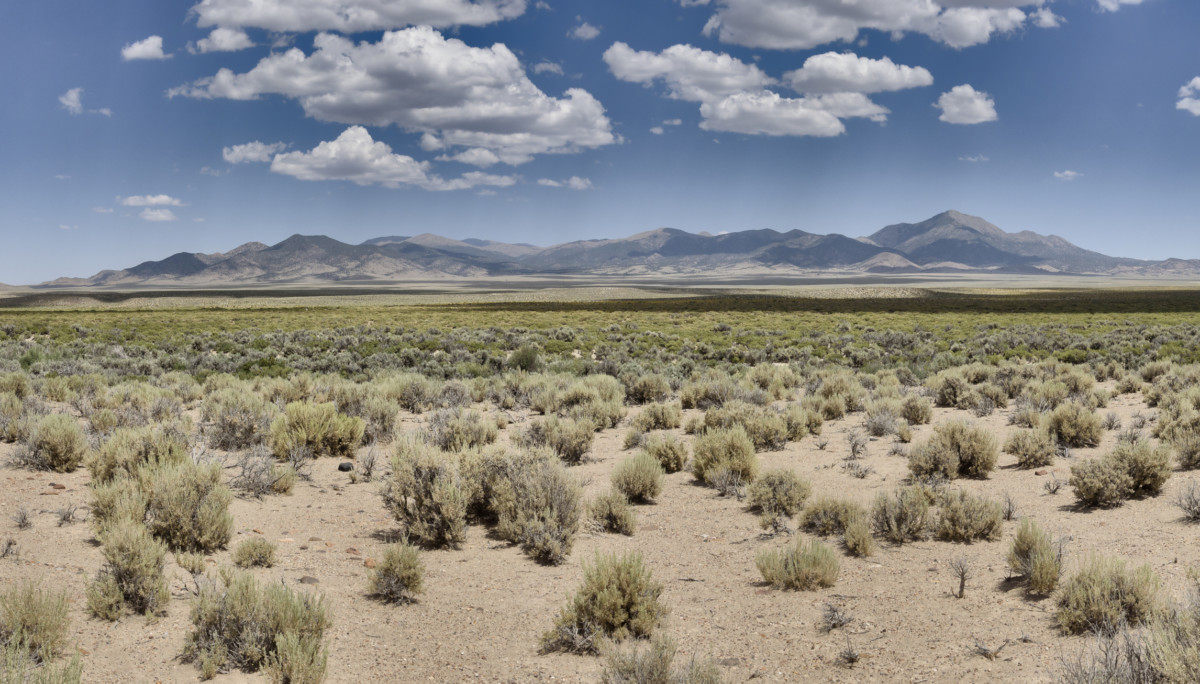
[(308, 579)]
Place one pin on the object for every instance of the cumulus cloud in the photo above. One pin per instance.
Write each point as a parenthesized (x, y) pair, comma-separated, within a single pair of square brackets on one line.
[(150, 48), (423, 82), (476, 156), (584, 31), (1044, 18), (806, 24), (1067, 175), (223, 40), (72, 101), (353, 16), (572, 183), (689, 73), (835, 72), (767, 113), (657, 130), (965, 105), (158, 215), (356, 157), (974, 158), (547, 68), (1189, 97), (150, 201), (252, 152), (1114, 5)]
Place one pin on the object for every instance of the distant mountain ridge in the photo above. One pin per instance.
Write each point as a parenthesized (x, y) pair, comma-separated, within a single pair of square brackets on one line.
[(949, 242)]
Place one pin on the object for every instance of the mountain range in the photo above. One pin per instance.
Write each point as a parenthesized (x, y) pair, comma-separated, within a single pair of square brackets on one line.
[(950, 242)]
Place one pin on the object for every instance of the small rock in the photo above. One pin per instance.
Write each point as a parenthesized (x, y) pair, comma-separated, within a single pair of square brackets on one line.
[(369, 563), (345, 467), (257, 531), (353, 551), (308, 579), (1041, 471), (304, 547), (59, 486), (314, 539)]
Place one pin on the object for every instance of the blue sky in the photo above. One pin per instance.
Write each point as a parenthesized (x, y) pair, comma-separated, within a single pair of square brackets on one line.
[(134, 130)]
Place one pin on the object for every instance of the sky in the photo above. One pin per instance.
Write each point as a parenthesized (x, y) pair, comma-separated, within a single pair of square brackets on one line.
[(132, 130)]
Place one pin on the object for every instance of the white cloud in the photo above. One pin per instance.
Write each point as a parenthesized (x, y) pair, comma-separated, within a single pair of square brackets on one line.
[(974, 158), (210, 171), (105, 111), (150, 48), (673, 122), (1044, 18), (356, 157), (657, 130), (766, 113), (476, 156), (806, 24), (150, 201), (1189, 97), (584, 31), (1114, 5), (688, 72), (252, 152), (223, 40), (353, 16), (573, 183), (423, 82), (1067, 175), (965, 105), (102, 210), (72, 101), (834, 72), (158, 215), (547, 68)]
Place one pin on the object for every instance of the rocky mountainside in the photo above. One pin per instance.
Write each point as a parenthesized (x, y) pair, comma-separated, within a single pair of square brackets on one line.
[(948, 242)]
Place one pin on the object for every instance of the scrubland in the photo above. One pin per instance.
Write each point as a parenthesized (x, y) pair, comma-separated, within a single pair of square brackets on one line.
[(923, 486)]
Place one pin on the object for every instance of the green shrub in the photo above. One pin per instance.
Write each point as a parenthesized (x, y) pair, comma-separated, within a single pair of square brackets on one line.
[(128, 450), (1100, 482), (317, 427), (1106, 593), (804, 566), (1074, 425), (54, 442), (956, 448), (951, 389), (612, 512), (570, 439), (19, 665), (1034, 558), (654, 666), (766, 428), (801, 421), (239, 624), (399, 577), (619, 600), (1187, 448), (240, 418), (1033, 448), (881, 418), (254, 552), (901, 517), (459, 429), (827, 516), (538, 505), (12, 414), (648, 387), (132, 575), (856, 534), (724, 448), (187, 506), (425, 494), (916, 410), (777, 495), (34, 618), (380, 415), (670, 453), (638, 477), (965, 518), (658, 417), (1148, 467)]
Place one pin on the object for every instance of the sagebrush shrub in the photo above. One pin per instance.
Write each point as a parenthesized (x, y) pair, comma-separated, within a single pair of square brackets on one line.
[(901, 517), (127, 450), (1148, 467), (425, 494), (648, 387), (1100, 482), (187, 506), (538, 504), (956, 448), (727, 448), (826, 516), (800, 422), (619, 600), (658, 416), (459, 429), (399, 576), (964, 517), (132, 575), (240, 624), (240, 419), (1033, 448), (570, 439), (670, 453), (881, 418), (916, 410), (766, 428), (638, 477), (802, 566), (777, 495), (1075, 425), (53, 442), (611, 510), (34, 618), (1034, 558), (316, 427), (654, 665), (254, 552), (856, 534), (1106, 593)]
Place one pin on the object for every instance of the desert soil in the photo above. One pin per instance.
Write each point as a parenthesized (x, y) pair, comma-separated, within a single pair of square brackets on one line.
[(486, 604)]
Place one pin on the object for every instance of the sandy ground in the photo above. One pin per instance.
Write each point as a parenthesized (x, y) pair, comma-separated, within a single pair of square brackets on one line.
[(486, 604)]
